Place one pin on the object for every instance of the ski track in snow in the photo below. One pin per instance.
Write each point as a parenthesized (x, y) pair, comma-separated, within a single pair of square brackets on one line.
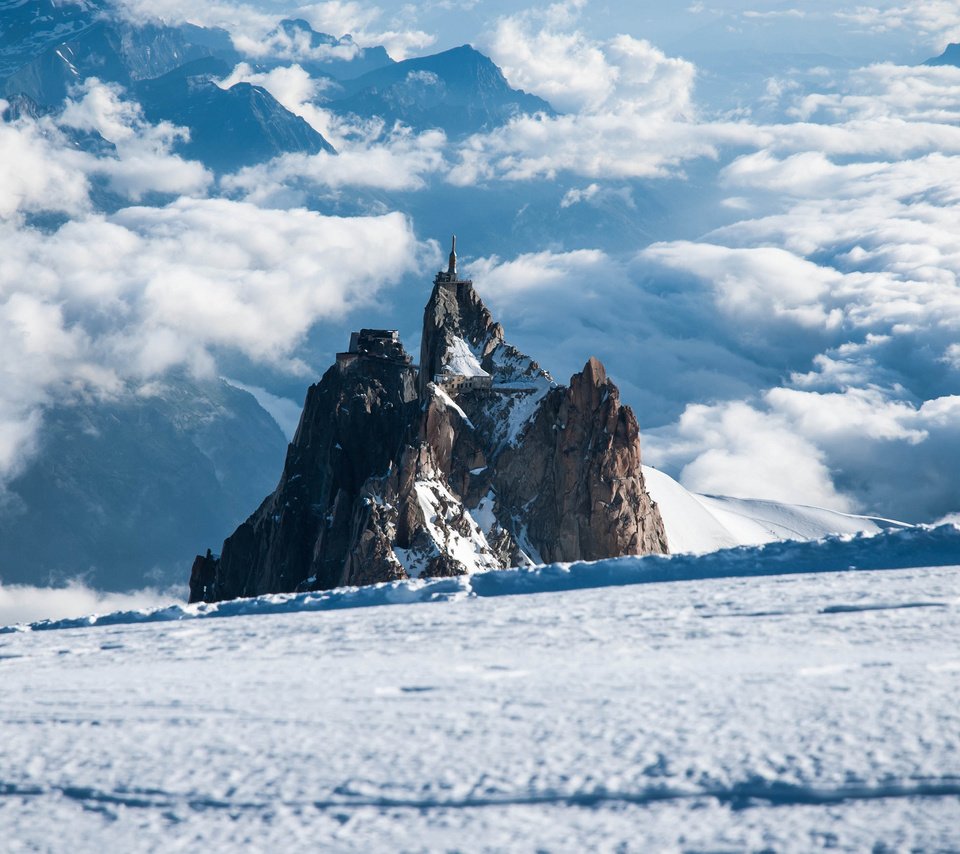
[(787, 712)]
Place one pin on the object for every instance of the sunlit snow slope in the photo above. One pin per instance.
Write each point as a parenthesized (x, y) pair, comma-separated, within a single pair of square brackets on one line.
[(785, 713), (705, 523)]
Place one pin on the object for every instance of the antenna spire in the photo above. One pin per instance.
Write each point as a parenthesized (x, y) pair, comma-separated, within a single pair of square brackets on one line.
[(452, 267)]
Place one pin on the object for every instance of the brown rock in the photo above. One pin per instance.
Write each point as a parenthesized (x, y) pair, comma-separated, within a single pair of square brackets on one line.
[(576, 474), (378, 447)]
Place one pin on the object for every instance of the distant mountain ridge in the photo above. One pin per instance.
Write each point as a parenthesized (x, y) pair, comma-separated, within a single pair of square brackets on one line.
[(324, 55), (117, 486), (229, 128), (459, 90), (171, 71), (950, 56)]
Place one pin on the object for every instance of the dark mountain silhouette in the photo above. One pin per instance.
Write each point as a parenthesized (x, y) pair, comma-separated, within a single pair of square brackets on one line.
[(474, 460), (460, 90), (229, 128)]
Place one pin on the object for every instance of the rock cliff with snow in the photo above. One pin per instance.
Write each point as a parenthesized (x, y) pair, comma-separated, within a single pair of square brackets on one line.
[(474, 460)]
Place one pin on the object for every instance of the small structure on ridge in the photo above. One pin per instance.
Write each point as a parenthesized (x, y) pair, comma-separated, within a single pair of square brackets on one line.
[(375, 344)]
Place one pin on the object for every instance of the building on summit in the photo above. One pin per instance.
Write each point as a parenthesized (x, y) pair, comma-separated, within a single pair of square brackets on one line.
[(461, 370), (451, 277), (376, 344)]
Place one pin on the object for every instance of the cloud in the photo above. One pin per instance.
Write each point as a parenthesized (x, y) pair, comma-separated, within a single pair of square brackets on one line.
[(735, 449), (252, 29), (400, 160), (908, 94), (776, 13), (633, 114), (741, 281), (108, 301), (143, 162), (42, 169), (861, 449), (36, 173), (629, 106), (297, 46), (26, 604), (569, 69), (364, 23), (936, 21), (845, 276)]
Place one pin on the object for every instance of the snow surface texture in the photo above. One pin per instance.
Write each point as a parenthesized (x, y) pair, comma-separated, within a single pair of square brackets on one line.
[(788, 713), (704, 523)]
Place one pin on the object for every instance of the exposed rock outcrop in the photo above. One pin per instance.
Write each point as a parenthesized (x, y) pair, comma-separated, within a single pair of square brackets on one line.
[(576, 475), (477, 461)]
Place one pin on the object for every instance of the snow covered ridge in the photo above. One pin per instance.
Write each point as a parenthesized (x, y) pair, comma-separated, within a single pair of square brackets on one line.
[(704, 523), (921, 546)]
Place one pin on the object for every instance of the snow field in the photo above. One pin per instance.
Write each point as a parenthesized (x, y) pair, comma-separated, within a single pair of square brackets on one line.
[(787, 713), (697, 524)]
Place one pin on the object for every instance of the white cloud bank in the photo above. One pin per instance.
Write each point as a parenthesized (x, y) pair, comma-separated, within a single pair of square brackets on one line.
[(251, 28), (937, 21), (41, 170), (108, 299), (106, 302), (20, 603), (628, 106)]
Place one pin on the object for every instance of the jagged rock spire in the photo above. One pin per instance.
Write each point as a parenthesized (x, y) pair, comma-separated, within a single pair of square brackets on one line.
[(452, 266), (384, 480)]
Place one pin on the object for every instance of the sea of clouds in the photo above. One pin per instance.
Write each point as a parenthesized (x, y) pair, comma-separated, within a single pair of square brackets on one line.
[(806, 350)]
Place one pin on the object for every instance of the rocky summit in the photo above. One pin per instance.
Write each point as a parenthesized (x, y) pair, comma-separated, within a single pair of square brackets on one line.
[(474, 460)]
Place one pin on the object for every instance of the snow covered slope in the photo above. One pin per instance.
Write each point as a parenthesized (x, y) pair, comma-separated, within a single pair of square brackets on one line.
[(790, 713), (704, 523)]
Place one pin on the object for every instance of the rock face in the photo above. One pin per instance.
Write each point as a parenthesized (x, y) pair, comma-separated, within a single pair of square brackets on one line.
[(477, 460), (576, 474)]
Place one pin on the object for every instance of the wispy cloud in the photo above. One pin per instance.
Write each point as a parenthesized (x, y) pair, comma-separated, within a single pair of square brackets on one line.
[(20, 603)]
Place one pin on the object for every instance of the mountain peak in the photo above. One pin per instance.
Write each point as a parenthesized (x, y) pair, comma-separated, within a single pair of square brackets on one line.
[(460, 90), (950, 56), (594, 372), (478, 461)]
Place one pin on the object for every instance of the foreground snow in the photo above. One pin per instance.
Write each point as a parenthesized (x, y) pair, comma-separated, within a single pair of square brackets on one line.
[(790, 712), (704, 523)]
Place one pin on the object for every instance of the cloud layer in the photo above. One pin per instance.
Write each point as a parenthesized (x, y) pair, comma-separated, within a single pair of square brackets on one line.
[(20, 603), (109, 301), (808, 349)]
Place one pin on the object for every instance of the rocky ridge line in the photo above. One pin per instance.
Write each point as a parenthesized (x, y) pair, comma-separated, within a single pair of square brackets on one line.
[(476, 461)]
